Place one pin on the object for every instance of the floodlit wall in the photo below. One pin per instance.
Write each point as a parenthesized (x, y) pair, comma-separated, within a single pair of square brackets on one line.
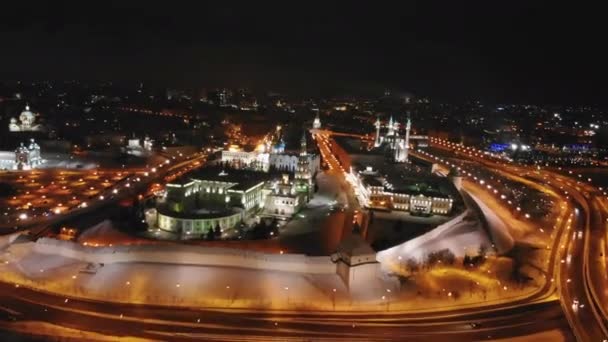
[(193, 228), (191, 255)]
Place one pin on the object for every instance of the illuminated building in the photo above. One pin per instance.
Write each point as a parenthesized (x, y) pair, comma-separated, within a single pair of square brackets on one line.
[(217, 199), (260, 160), (382, 185), (210, 199), (279, 147), (316, 124), (283, 200), (399, 145), (24, 157), (303, 174), (135, 146), (254, 159), (414, 194), (26, 123)]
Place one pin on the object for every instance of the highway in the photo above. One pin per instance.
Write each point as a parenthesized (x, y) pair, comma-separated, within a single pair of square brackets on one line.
[(178, 324), (580, 281), (588, 321), (597, 255)]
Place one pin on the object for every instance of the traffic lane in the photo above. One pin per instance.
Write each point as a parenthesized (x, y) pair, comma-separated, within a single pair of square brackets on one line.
[(597, 253), (123, 324), (573, 286), (25, 297)]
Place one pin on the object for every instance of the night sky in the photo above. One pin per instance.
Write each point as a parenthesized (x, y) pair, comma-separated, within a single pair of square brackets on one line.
[(524, 51)]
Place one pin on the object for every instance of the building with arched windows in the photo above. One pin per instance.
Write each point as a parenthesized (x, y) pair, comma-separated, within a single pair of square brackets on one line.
[(210, 198), (217, 199)]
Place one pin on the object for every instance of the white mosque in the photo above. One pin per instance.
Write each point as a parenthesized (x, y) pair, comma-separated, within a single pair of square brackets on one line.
[(400, 145)]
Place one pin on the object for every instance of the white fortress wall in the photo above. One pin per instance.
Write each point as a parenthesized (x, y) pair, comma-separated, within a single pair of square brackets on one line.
[(191, 255)]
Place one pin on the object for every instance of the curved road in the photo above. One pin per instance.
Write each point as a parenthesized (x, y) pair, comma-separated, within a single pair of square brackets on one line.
[(155, 322), (579, 280)]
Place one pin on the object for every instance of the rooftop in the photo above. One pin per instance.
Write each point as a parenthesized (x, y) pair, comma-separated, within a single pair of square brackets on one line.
[(400, 179), (243, 179), (198, 214), (355, 245)]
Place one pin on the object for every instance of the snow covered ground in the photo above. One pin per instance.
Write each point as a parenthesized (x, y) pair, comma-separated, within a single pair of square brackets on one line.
[(192, 285), (462, 235), (497, 229), (175, 283)]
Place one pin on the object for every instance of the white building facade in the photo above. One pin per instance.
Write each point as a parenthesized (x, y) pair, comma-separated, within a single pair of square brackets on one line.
[(23, 158), (376, 192), (26, 123), (282, 200)]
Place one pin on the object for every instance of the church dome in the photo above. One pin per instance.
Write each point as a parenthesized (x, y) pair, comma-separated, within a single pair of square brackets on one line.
[(27, 111), (27, 115)]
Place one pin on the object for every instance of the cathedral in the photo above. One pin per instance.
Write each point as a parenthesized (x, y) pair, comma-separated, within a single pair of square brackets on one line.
[(27, 122), (398, 144)]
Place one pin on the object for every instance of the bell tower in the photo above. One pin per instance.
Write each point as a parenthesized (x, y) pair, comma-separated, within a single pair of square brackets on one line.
[(303, 174)]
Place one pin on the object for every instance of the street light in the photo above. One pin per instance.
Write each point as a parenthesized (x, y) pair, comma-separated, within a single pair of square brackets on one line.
[(333, 298)]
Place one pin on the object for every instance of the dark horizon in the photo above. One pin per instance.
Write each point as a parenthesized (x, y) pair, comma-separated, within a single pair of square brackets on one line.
[(520, 52)]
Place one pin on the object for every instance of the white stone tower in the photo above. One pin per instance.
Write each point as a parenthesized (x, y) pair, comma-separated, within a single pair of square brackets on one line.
[(400, 154), (408, 127), (395, 141), (303, 173), (378, 141), (317, 123)]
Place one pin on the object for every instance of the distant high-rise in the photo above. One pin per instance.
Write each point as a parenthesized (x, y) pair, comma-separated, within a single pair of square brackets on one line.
[(221, 97), (408, 127)]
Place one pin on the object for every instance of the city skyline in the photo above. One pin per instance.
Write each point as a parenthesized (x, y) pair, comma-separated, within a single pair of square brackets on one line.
[(339, 171)]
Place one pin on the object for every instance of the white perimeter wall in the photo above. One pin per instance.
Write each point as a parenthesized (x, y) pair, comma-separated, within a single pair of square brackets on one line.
[(191, 255)]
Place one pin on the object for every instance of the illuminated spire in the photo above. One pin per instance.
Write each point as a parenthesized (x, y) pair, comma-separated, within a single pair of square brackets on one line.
[(303, 144), (408, 127), (377, 124)]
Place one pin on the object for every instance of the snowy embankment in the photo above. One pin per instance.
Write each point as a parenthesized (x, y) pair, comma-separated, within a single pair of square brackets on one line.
[(6, 240), (462, 235), (498, 230), (459, 235)]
